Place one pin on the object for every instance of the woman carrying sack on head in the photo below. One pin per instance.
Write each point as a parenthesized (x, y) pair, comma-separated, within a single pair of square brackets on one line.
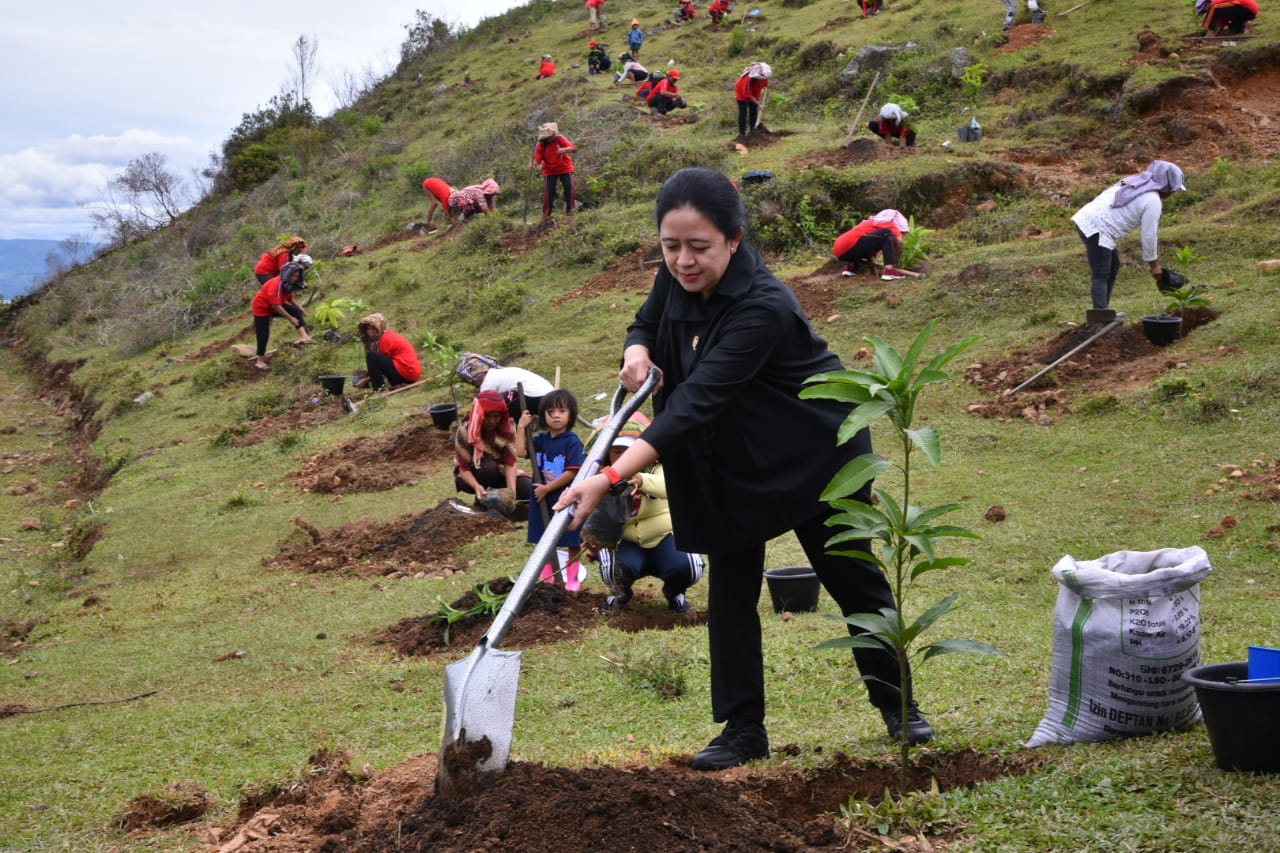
[(749, 90), (552, 153), (273, 260)]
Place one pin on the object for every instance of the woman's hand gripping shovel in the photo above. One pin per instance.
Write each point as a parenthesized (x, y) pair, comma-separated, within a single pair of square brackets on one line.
[(480, 691)]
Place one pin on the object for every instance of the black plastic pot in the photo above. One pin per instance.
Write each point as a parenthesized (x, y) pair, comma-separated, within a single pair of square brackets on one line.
[(794, 589), (1243, 717), (443, 414), (1161, 329), (332, 383)]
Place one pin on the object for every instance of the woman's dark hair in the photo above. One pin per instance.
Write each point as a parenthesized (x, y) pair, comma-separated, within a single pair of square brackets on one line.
[(708, 192), (558, 398)]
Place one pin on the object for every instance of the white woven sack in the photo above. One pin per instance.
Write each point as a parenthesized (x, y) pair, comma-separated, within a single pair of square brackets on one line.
[(1125, 626)]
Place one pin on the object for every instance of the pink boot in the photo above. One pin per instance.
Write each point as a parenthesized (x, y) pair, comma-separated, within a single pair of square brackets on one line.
[(573, 576), (548, 574)]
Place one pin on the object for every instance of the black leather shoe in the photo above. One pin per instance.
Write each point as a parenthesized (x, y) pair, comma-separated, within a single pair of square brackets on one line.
[(737, 744), (918, 729)]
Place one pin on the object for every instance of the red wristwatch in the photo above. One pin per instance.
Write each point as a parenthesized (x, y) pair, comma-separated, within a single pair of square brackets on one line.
[(611, 475)]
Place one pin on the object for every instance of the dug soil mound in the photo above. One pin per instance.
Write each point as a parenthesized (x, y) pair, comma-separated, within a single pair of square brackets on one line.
[(305, 414), (370, 463), (417, 542), (1122, 359), (533, 808), (550, 615)]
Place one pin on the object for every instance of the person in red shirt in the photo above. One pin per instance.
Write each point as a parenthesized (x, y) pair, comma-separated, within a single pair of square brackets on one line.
[(892, 125), (388, 356), (1230, 16), (665, 95), (275, 298), (593, 14), (272, 260), (876, 235), (552, 153), (547, 68), (687, 11), (719, 9), (749, 90), (439, 191)]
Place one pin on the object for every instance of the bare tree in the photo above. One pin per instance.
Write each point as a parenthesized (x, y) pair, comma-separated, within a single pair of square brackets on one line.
[(140, 199), (72, 252), (352, 86), (302, 74)]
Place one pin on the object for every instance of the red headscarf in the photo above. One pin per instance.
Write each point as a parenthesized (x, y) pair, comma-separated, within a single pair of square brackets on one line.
[(488, 402)]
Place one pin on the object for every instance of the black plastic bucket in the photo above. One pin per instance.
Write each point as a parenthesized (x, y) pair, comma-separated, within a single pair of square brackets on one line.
[(443, 414), (332, 383), (794, 589), (1243, 717), (1161, 329)]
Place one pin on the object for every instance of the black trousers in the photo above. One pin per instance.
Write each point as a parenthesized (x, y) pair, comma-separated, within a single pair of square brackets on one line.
[(748, 114), (262, 325), (880, 240), (1104, 266), (733, 623), (549, 194), (382, 370)]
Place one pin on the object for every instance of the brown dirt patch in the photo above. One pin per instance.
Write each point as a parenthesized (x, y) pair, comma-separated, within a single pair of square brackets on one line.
[(1023, 36), (302, 415), (369, 463), (422, 542), (1120, 360), (538, 809), (550, 615), (1258, 480), (859, 150), (179, 802), (527, 238), (632, 273), (761, 137)]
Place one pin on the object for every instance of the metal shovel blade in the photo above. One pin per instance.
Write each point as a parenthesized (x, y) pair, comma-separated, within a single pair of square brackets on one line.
[(480, 691), (488, 679)]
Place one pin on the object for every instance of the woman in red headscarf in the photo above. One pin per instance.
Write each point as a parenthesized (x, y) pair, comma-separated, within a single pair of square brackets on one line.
[(484, 450)]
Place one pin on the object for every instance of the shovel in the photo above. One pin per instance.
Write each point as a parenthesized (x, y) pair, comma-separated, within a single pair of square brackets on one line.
[(480, 691)]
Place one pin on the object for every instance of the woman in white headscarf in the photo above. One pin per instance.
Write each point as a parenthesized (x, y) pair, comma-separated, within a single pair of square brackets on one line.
[(892, 125), (876, 235), (1133, 203)]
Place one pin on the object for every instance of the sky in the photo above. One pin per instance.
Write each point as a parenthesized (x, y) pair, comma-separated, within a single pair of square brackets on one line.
[(86, 87)]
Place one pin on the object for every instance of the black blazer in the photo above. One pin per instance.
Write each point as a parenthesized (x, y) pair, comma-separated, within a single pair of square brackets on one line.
[(745, 457)]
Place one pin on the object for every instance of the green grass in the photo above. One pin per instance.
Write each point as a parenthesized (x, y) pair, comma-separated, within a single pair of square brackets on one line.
[(187, 519)]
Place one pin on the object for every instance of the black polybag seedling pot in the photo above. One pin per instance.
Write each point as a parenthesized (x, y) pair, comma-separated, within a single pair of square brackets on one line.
[(794, 589)]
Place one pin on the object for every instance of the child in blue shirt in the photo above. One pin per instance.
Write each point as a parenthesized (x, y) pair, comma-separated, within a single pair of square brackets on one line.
[(558, 453), (635, 38)]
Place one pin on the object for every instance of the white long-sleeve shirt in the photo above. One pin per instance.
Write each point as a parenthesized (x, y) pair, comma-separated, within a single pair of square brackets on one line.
[(1112, 223), (504, 379)]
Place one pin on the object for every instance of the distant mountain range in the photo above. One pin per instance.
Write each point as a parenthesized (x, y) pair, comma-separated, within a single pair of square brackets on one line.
[(22, 262)]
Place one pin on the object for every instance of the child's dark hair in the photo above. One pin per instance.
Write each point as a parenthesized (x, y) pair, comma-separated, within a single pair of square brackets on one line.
[(558, 398), (708, 192)]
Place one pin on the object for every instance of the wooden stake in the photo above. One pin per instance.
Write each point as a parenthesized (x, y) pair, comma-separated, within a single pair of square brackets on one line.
[(858, 119), (557, 382)]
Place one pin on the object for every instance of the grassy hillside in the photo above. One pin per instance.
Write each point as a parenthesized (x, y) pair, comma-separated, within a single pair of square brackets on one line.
[(136, 508)]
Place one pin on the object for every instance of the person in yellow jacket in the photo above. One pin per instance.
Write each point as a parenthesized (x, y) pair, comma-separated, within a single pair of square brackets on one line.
[(647, 548)]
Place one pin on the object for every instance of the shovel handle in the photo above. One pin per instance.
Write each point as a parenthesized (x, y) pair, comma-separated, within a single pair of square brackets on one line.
[(560, 521)]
